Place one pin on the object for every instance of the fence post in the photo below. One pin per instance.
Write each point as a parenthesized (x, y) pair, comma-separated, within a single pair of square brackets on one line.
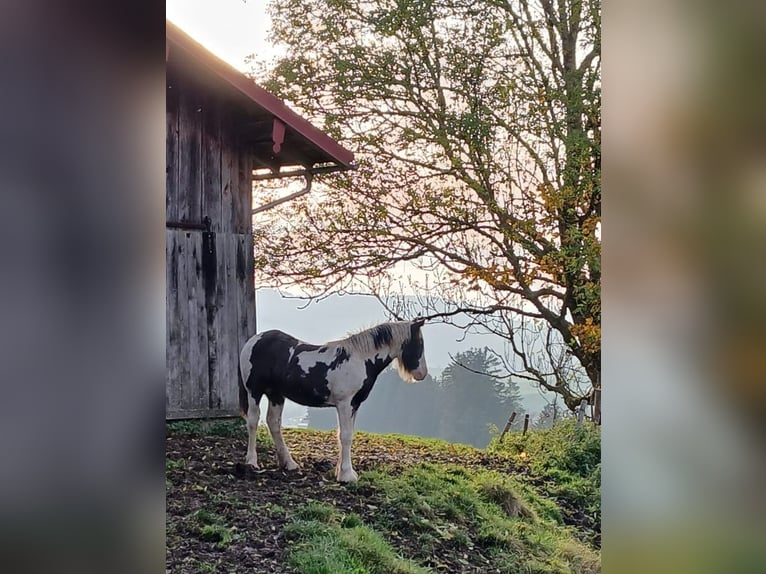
[(507, 426), (597, 405), (581, 411), (526, 424)]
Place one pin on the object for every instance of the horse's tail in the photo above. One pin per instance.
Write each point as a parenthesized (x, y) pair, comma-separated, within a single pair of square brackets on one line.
[(243, 401)]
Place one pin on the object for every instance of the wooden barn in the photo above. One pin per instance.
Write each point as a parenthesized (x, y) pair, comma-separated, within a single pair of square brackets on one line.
[(222, 130)]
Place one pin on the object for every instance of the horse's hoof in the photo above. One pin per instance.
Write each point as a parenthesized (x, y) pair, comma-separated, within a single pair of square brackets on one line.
[(347, 476), (251, 466), (290, 466), (244, 470)]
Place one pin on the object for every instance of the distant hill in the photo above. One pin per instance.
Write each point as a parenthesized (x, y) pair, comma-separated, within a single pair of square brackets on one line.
[(337, 316)]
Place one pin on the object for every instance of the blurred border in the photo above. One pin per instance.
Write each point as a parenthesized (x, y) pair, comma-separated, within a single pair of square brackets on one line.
[(82, 293), (684, 283)]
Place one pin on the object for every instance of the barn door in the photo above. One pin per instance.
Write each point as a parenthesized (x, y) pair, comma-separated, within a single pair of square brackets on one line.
[(210, 314), (209, 251)]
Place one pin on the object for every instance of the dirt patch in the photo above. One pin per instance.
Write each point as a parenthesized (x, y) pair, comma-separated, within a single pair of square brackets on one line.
[(245, 511)]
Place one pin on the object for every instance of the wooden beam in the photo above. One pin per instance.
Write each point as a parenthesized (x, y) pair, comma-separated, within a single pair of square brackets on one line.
[(301, 172), (200, 414)]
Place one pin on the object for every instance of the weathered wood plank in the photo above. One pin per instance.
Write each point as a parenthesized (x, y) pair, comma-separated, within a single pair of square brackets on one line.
[(229, 177), (219, 324), (189, 398), (245, 289), (171, 151), (238, 218), (211, 276), (228, 389), (198, 384), (211, 163), (246, 183), (172, 348), (200, 414), (177, 352), (250, 285), (252, 328), (215, 319), (190, 155)]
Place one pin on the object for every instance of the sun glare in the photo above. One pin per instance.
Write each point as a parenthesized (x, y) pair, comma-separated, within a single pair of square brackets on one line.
[(230, 29)]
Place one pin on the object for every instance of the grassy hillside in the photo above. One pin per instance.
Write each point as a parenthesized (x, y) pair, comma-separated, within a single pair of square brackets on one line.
[(420, 505), (563, 463)]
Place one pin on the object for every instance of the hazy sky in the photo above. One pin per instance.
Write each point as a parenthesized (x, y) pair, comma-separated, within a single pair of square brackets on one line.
[(231, 29)]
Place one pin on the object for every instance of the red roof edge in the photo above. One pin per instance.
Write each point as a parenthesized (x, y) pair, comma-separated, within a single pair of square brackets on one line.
[(179, 39)]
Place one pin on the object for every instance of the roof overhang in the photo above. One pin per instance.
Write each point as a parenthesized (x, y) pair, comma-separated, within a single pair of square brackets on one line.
[(278, 136)]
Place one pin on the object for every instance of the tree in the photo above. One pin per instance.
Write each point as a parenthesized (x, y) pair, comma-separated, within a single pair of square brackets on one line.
[(474, 398), (477, 129), (402, 408), (551, 415), (547, 417)]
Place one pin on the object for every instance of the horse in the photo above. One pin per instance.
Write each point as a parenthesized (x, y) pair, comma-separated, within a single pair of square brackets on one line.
[(337, 374)]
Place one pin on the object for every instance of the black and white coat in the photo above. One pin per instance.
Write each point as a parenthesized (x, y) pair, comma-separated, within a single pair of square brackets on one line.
[(338, 374)]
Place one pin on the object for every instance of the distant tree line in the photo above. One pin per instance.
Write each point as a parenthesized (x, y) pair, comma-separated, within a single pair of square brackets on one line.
[(462, 405)]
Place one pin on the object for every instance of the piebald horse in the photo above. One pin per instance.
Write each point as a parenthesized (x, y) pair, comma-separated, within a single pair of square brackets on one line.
[(338, 374)]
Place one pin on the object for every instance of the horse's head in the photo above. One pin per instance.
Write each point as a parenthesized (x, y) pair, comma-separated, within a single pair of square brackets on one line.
[(412, 361)]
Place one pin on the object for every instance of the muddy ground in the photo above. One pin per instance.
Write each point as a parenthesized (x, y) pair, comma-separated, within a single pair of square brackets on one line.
[(206, 472)]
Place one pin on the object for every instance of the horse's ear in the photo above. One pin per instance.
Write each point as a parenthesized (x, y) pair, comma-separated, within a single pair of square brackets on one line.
[(418, 322)]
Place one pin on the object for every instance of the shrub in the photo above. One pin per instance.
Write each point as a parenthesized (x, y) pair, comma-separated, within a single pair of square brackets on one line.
[(567, 447)]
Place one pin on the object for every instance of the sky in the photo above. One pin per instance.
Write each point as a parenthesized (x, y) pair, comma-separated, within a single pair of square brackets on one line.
[(230, 29)]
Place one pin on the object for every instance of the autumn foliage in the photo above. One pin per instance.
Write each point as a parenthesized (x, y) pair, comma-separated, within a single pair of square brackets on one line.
[(477, 130)]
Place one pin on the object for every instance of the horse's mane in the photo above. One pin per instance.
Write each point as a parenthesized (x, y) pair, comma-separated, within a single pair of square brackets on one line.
[(391, 335), (377, 337)]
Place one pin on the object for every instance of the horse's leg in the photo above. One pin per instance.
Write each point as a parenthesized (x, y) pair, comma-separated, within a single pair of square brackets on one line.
[(252, 418), (274, 420), (344, 472)]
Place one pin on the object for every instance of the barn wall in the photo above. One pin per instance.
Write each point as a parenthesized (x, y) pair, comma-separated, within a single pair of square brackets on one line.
[(210, 293)]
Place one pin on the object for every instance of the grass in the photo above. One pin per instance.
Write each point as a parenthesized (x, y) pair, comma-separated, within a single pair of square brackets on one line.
[(231, 427), (422, 443), (444, 504), (326, 541), (171, 464), (206, 567), (565, 448), (566, 457), (211, 528)]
